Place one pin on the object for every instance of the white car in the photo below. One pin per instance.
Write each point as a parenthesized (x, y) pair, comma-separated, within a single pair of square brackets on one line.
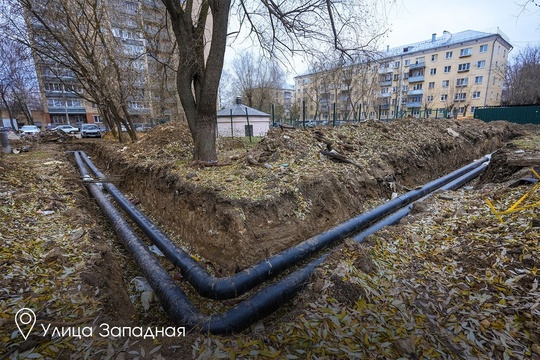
[(68, 129), (29, 130), (90, 130)]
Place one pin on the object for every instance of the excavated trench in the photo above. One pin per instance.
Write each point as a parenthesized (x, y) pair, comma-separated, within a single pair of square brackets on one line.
[(236, 233)]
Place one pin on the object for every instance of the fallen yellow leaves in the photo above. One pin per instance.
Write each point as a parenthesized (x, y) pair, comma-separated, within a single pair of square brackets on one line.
[(452, 282)]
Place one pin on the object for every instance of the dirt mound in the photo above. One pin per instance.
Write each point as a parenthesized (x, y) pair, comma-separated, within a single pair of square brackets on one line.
[(516, 155), (291, 184), (168, 141)]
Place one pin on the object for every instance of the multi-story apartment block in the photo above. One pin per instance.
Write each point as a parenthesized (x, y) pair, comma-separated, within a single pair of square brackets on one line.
[(449, 75), (283, 99), (144, 54)]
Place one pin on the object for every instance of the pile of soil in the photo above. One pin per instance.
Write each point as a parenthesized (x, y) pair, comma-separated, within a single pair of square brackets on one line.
[(292, 184), (450, 281)]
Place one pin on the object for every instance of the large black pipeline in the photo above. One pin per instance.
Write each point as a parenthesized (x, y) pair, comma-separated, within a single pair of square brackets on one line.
[(224, 288), (174, 300), (396, 216)]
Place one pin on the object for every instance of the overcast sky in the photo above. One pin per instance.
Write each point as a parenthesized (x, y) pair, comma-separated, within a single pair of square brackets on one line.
[(412, 21)]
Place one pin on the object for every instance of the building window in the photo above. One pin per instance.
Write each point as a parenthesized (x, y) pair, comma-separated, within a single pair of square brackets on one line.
[(74, 103), (407, 62), (396, 77), (131, 6), (447, 69), (53, 87), (58, 119), (481, 64), (396, 64), (449, 54), (473, 108), (430, 98), (97, 119), (434, 57), (464, 67), (444, 97), (462, 82), (465, 52), (432, 71), (476, 95), (405, 88), (460, 96), (56, 103), (431, 85), (483, 48), (478, 79), (445, 83)]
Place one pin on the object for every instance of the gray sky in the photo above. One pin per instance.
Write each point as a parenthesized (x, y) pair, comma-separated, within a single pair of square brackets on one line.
[(415, 20), (411, 21)]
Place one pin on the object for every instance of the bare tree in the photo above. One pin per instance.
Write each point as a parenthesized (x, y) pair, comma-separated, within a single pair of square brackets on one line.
[(74, 41), (18, 83), (256, 80), (523, 77), (200, 27)]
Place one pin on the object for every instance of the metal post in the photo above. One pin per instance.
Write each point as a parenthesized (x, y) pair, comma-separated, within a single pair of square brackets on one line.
[(304, 113), (273, 116), (249, 129), (334, 115), (232, 126)]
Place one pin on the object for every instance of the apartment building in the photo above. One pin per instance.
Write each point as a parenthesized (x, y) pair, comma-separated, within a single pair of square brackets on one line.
[(145, 56), (449, 75), (283, 99)]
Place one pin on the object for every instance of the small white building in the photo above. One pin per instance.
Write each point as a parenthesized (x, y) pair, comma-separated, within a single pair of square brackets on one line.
[(240, 120)]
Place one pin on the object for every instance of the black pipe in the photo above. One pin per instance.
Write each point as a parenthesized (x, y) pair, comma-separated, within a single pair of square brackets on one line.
[(174, 300), (224, 288), (395, 217)]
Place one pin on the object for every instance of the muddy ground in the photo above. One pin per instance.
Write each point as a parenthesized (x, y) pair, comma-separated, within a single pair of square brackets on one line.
[(268, 195)]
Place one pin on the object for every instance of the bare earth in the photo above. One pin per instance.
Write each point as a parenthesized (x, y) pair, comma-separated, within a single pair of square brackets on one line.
[(450, 281)]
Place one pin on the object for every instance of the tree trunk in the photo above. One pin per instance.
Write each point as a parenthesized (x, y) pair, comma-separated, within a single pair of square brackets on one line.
[(204, 138)]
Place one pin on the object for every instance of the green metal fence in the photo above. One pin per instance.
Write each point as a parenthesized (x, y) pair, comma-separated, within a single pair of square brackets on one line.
[(515, 114)]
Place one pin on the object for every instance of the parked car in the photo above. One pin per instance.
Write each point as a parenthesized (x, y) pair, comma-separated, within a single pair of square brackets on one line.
[(90, 130), (68, 129), (29, 130), (7, 129)]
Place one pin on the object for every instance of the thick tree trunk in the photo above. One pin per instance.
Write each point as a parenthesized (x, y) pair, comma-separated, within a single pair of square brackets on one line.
[(204, 138)]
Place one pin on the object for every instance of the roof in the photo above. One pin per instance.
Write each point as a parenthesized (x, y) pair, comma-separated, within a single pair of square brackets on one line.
[(240, 110), (446, 39)]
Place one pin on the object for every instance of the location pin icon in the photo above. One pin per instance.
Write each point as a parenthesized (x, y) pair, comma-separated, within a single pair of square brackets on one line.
[(25, 319)]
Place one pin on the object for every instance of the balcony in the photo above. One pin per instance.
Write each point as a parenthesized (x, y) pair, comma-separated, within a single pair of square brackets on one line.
[(59, 94), (413, 79), (385, 83), (384, 95), (415, 92), (69, 110), (419, 65), (384, 106), (386, 70), (415, 104)]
